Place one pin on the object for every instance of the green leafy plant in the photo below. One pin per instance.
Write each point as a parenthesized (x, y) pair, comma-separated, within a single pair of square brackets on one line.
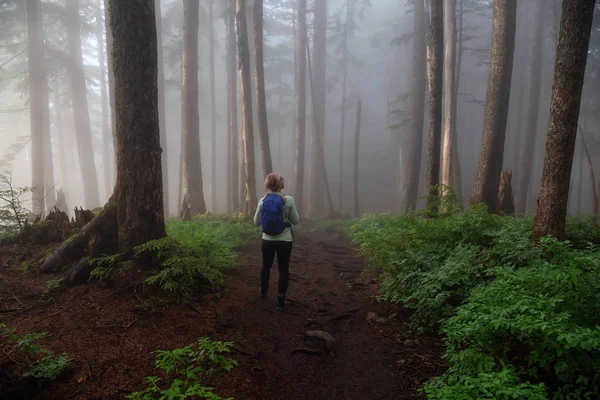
[(188, 368), (14, 215), (31, 360), (106, 268), (196, 254), (521, 319)]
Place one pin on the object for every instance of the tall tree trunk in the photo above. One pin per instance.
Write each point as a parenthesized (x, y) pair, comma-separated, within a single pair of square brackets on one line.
[(356, 152), (300, 88), (80, 107), (111, 91), (248, 129), (106, 135), (435, 67), (134, 213), (162, 111), (459, 56), (526, 158), (138, 191), (571, 58), (412, 169), (261, 100), (59, 132), (37, 81), (213, 110), (349, 20), (319, 99), (449, 105), (232, 108), (193, 192), (592, 173), (49, 182), (491, 156)]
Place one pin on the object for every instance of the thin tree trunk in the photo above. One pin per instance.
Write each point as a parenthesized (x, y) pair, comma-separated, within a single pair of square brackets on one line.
[(162, 111), (319, 99), (248, 129), (80, 107), (435, 68), (106, 135), (232, 111), (37, 79), (300, 88), (592, 173), (526, 158), (491, 156), (213, 110), (261, 100), (63, 154), (457, 170), (571, 58), (193, 192), (49, 183), (412, 167), (349, 20), (449, 105), (318, 135), (356, 152)]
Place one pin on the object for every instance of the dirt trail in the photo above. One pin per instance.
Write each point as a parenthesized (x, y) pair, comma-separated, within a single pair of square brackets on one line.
[(111, 333)]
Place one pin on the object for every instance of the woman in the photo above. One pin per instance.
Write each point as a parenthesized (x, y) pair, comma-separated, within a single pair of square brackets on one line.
[(276, 213)]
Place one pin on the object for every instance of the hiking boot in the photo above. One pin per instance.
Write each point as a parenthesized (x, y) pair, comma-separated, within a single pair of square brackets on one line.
[(281, 302)]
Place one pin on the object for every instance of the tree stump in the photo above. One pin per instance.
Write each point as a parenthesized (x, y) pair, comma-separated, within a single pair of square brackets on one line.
[(506, 204)]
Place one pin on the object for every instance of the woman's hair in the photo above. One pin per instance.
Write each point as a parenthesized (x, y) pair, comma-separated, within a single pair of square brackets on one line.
[(274, 182)]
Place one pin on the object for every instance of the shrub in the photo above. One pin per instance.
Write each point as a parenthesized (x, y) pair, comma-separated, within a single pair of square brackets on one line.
[(32, 361), (521, 319), (196, 253), (188, 367)]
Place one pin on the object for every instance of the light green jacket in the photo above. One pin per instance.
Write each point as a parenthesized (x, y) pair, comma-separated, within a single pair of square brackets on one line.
[(290, 214)]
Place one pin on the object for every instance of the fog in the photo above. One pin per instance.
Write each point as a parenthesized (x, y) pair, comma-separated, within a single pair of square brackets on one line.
[(379, 71)]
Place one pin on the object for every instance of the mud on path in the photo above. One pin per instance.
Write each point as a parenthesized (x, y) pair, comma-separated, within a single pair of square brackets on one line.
[(111, 333)]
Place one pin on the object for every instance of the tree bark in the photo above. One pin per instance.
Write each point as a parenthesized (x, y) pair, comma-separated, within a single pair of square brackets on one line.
[(449, 104), (80, 107), (571, 58), (435, 67), (37, 80), (248, 131), (491, 156), (106, 135), (213, 110), (162, 111), (134, 213), (300, 88), (261, 100), (412, 168), (232, 108), (193, 192), (526, 158), (319, 99), (592, 173), (356, 153)]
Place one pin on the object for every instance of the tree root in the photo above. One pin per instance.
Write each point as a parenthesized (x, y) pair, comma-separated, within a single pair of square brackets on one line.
[(98, 237)]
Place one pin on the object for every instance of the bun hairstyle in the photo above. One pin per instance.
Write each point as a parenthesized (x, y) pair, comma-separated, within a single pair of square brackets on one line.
[(274, 182)]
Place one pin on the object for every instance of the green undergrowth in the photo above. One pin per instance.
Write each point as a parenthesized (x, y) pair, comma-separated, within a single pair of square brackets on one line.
[(22, 357), (521, 320), (186, 371), (194, 255)]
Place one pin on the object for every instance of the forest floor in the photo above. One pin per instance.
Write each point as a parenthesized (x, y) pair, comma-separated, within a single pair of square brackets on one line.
[(111, 333)]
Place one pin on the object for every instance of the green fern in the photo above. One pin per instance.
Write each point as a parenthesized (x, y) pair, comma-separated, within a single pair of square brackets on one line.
[(186, 367)]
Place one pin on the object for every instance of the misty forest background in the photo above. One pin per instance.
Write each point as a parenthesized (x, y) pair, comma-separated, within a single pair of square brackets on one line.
[(370, 54)]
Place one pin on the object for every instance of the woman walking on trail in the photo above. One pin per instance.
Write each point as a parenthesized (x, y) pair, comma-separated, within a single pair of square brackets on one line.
[(276, 213)]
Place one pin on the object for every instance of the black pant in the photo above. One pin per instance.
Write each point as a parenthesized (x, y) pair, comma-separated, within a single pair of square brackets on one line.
[(284, 252)]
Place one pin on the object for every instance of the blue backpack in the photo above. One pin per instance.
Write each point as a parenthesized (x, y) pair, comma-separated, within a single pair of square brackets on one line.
[(272, 213)]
